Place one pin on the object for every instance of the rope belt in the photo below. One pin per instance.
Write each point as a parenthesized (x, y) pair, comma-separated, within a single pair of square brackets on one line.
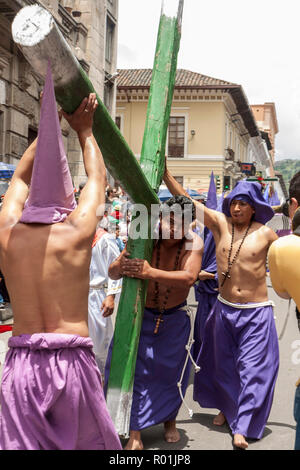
[(267, 303), (188, 347)]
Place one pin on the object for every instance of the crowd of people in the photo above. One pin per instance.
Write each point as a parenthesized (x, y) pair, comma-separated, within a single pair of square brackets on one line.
[(72, 261)]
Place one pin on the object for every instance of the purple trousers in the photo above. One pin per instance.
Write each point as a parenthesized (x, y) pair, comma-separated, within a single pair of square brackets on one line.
[(52, 397), (239, 361), (159, 365)]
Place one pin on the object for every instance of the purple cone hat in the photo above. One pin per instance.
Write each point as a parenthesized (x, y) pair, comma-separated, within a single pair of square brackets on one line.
[(251, 193), (51, 196), (212, 200)]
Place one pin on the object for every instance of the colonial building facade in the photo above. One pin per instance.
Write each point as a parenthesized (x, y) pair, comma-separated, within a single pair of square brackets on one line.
[(90, 28), (266, 119), (212, 127)]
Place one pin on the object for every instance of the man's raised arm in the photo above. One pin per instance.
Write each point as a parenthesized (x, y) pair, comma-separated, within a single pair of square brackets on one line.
[(92, 197), (18, 189), (209, 217)]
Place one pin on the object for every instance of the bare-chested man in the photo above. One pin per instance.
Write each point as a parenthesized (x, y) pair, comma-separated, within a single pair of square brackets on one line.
[(166, 326), (239, 358), (51, 396)]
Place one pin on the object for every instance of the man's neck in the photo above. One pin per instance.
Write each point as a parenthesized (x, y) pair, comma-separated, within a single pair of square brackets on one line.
[(241, 227)]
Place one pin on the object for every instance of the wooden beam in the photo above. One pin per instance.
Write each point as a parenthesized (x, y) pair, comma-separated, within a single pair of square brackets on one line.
[(39, 38), (132, 302)]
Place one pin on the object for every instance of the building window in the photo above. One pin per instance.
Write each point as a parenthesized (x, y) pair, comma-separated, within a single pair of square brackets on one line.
[(110, 29), (176, 136), (108, 89), (2, 138), (118, 122), (32, 135)]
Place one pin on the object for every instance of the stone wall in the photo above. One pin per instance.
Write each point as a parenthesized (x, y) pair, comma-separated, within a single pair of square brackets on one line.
[(83, 23)]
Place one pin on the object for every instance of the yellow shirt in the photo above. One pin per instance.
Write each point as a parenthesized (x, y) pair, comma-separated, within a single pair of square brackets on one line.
[(284, 265)]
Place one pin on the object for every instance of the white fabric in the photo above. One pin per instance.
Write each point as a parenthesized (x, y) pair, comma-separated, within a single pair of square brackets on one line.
[(101, 329), (248, 305), (104, 223)]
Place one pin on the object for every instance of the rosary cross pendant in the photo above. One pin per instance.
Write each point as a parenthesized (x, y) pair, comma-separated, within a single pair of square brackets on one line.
[(226, 276), (159, 320)]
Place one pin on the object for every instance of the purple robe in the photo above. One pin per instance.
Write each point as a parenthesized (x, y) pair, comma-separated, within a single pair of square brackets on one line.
[(239, 362), (205, 291), (160, 361), (52, 397)]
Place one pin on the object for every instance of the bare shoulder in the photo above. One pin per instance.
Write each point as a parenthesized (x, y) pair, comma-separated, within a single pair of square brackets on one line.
[(267, 232), (76, 235), (264, 234)]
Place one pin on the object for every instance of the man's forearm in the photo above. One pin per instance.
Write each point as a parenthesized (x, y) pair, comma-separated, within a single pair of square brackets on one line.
[(203, 215), (25, 166), (114, 270), (18, 188), (172, 278), (92, 156), (173, 186)]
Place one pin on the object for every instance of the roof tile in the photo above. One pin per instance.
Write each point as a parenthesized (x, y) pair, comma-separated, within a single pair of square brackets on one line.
[(140, 78)]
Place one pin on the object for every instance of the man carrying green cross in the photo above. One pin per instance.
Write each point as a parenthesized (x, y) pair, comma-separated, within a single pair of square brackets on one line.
[(166, 327)]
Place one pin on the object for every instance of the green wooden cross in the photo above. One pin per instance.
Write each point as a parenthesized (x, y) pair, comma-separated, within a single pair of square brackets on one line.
[(141, 182)]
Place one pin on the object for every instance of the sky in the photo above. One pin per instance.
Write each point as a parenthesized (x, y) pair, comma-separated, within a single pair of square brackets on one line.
[(254, 43)]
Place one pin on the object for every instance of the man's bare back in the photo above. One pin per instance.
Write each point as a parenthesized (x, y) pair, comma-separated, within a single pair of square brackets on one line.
[(46, 268)]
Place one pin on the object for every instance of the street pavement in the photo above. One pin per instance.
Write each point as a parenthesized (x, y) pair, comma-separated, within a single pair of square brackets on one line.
[(198, 432)]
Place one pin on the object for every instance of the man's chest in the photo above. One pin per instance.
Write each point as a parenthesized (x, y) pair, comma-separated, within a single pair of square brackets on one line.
[(250, 248)]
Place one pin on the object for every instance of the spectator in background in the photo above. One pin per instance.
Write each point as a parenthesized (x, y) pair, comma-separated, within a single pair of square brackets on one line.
[(119, 241), (285, 273), (102, 294), (105, 222)]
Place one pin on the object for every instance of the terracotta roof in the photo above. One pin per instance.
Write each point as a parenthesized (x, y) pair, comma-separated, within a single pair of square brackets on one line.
[(139, 78)]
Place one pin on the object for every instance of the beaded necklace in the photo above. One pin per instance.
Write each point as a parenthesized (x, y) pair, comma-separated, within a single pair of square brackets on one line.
[(231, 263), (161, 309)]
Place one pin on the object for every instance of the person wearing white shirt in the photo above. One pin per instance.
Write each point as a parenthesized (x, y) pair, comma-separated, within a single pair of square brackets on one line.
[(103, 291)]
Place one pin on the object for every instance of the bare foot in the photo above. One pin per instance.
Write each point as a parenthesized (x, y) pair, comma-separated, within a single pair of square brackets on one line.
[(220, 419), (171, 433), (240, 441), (135, 441)]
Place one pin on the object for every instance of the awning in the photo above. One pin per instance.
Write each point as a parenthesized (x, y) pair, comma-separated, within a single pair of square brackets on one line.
[(6, 170), (164, 194)]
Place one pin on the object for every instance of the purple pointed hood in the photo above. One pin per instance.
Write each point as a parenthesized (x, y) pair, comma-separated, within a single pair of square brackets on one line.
[(251, 193), (212, 201), (51, 196)]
